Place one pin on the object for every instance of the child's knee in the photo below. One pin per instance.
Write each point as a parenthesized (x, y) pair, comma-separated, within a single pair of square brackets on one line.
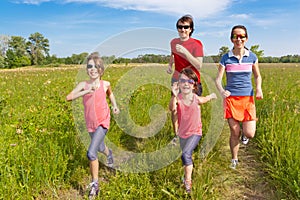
[(186, 159), (249, 134), (91, 155)]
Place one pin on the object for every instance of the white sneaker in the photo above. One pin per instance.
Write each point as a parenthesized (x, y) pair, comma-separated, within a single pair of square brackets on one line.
[(244, 139), (94, 190), (233, 164)]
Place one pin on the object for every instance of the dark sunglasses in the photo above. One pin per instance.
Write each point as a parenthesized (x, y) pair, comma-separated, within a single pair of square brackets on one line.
[(235, 36), (89, 66), (183, 26), (190, 81)]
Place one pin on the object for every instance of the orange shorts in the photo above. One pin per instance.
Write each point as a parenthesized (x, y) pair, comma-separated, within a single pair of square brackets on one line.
[(240, 108)]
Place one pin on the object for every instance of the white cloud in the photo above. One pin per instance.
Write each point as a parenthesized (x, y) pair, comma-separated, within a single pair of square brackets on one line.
[(197, 8), (35, 2), (240, 16)]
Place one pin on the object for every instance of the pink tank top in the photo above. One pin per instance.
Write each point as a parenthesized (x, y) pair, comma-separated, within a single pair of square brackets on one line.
[(96, 109), (189, 118)]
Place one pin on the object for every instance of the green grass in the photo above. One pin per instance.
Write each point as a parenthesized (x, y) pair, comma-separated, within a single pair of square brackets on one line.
[(43, 137), (278, 132)]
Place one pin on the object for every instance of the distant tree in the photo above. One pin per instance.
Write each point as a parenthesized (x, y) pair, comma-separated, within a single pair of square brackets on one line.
[(3, 62), (16, 55), (4, 40), (295, 59), (18, 45), (108, 59), (121, 60), (14, 61), (76, 58), (53, 60), (38, 48), (81, 58), (223, 50), (269, 59), (290, 59), (259, 53)]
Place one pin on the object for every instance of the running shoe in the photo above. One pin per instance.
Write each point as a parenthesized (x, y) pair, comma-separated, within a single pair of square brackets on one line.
[(94, 190), (244, 139), (233, 164), (110, 159)]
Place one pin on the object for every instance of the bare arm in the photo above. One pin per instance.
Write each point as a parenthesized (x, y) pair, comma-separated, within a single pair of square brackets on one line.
[(174, 100), (112, 98), (195, 61), (173, 104), (171, 62), (207, 98), (78, 91), (258, 80), (218, 82)]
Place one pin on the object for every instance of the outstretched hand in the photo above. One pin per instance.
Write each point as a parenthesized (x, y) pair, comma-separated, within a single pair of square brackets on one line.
[(212, 96)]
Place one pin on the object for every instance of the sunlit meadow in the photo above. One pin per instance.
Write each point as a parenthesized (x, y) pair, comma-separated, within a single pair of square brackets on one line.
[(42, 155)]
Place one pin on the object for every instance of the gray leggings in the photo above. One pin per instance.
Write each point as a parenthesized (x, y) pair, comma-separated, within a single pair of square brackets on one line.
[(187, 146), (97, 143)]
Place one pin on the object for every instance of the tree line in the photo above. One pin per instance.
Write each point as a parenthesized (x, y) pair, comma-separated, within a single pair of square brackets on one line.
[(16, 51)]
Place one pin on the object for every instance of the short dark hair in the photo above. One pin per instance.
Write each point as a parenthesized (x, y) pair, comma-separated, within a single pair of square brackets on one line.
[(189, 19)]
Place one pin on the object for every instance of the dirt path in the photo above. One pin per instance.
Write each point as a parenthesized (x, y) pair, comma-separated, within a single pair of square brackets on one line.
[(248, 181)]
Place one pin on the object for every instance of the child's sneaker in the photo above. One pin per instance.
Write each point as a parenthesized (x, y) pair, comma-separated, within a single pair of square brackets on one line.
[(233, 164), (244, 139), (188, 185), (94, 190), (110, 159)]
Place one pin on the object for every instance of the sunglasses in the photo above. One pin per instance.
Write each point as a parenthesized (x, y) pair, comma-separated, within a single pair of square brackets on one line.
[(190, 81), (183, 26), (89, 66), (241, 36)]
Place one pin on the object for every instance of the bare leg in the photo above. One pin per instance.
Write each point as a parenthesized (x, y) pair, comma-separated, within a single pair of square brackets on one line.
[(94, 168), (249, 128), (234, 137), (188, 170)]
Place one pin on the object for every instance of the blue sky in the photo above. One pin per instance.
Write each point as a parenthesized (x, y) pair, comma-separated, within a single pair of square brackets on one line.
[(125, 27)]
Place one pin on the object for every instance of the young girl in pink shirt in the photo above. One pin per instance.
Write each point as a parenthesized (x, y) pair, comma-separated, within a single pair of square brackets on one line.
[(96, 113), (186, 104)]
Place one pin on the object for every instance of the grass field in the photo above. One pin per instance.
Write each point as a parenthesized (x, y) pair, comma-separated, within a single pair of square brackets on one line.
[(43, 151)]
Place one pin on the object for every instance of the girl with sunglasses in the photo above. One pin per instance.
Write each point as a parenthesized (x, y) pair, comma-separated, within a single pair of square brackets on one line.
[(185, 52), (96, 113), (186, 104), (239, 106)]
